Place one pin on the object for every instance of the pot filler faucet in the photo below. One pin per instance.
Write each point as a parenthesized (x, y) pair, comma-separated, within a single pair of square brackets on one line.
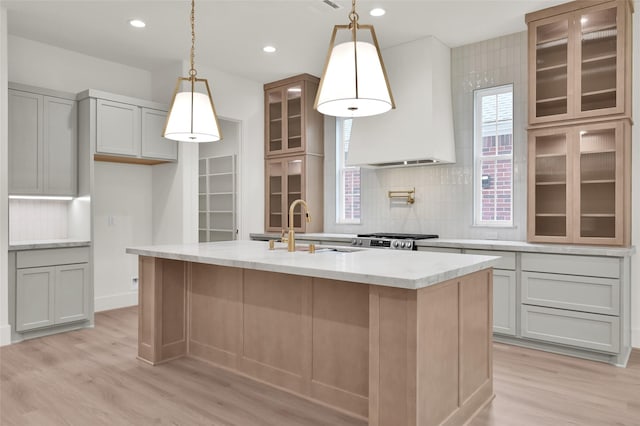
[(291, 240)]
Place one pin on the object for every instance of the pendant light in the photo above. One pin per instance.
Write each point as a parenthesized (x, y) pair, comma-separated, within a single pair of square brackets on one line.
[(192, 116), (354, 82)]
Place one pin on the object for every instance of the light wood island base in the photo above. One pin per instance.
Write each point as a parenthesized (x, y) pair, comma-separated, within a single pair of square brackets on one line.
[(395, 356)]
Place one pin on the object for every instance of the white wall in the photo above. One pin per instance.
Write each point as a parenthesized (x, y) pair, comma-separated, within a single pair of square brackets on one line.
[(635, 183), (5, 329), (122, 218), (54, 68)]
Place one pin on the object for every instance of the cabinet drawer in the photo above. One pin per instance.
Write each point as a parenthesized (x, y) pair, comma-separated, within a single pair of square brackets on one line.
[(507, 258), (591, 331), (48, 257), (588, 294), (440, 249), (608, 267)]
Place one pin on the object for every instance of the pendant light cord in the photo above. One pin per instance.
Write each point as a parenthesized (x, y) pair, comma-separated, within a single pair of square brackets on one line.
[(192, 71), (353, 25)]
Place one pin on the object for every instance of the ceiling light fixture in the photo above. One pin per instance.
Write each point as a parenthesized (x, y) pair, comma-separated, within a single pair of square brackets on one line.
[(269, 49), (137, 23), (192, 116), (354, 82), (378, 11)]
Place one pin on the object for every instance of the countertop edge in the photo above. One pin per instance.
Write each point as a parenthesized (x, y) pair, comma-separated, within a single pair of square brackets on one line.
[(23, 246)]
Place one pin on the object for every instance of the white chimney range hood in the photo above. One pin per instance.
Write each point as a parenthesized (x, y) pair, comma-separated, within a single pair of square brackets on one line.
[(420, 130)]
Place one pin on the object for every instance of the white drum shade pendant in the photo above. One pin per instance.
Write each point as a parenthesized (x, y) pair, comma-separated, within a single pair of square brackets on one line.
[(354, 82), (192, 116)]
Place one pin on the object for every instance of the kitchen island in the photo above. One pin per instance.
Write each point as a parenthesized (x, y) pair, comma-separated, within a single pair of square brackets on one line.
[(400, 338)]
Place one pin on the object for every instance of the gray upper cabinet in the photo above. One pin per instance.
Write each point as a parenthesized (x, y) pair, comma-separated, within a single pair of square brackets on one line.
[(118, 127), (125, 129), (42, 143), (25, 143), (60, 146), (154, 145)]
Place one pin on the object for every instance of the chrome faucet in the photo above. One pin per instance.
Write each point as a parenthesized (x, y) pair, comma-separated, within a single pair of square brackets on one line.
[(291, 240)]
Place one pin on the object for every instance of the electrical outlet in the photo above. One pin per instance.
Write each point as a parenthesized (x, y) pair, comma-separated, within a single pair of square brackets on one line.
[(134, 283)]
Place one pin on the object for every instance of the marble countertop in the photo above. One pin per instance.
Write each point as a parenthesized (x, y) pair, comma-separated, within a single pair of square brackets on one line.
[(523, 246), (46, 244), (503, 245), (402, 269)]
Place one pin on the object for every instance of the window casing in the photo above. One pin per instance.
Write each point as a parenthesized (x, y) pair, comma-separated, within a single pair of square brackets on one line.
[(347, 178), (493, 156)]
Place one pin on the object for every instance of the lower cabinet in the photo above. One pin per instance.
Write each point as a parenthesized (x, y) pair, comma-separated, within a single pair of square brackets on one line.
[(572, 300), (581, 329), (504, 290), (51, 288), (567, 303)]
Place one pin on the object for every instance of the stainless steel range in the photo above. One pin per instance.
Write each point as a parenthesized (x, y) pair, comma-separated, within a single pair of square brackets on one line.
[(390, 240)]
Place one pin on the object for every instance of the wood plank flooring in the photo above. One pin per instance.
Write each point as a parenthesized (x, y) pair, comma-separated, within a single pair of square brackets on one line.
[(91, 377)]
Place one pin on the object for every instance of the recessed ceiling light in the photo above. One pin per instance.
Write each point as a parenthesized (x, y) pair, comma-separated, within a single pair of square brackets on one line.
[(137, 23), (378, 11), (269, 49)]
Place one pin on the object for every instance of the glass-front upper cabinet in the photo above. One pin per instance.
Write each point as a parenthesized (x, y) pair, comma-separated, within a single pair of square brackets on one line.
[(579, 184), (285, 179), (550, 181), (292, 126), (551, 67), (600, 182), (580, 61)]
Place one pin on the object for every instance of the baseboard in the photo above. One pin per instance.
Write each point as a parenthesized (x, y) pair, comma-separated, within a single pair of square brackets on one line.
[(5, 335), (115, 301), (635, 338)]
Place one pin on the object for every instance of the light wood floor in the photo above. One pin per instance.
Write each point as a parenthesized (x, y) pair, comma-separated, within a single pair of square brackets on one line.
[(91, 377)]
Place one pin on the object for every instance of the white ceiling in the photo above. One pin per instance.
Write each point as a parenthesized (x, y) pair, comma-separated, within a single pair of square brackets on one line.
[(231, 33)]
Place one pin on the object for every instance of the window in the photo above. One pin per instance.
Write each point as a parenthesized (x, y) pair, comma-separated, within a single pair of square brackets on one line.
[(493, 152), (347, 178)]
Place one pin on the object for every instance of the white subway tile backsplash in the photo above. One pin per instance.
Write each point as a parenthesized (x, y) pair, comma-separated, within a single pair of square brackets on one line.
[(38, 220)]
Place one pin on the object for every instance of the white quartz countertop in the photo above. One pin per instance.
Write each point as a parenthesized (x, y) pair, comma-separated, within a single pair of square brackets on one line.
[(523, 246), (46, 244), (502, 245), (402, 269)]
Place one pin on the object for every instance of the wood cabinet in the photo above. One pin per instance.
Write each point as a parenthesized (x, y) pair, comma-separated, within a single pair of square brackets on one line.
[(52, 288), (292, 126), (580, 61), (42, 142), (289, 179), (294, 149), (579, 184), (217, 199), (124, 129)]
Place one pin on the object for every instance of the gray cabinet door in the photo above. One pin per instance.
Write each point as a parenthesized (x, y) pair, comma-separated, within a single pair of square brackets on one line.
[(60, 146), (25, 143), (71, 293), (504, 302), (118, 128), (35, 298), (154, 145)]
